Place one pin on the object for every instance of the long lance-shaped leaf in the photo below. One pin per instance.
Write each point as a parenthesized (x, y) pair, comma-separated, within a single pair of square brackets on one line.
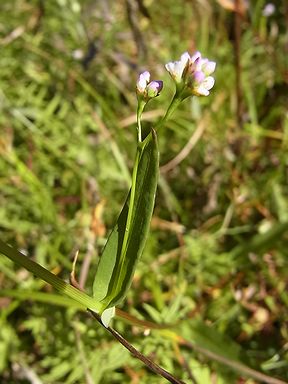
[(41, 272), (127, 240)]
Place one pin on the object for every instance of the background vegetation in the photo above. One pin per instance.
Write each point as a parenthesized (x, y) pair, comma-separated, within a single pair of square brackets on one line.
[(216, 260)]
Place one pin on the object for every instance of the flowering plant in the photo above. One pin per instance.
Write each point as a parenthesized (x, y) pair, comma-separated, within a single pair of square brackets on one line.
[(127, 239), (192, 76), (126, 242)]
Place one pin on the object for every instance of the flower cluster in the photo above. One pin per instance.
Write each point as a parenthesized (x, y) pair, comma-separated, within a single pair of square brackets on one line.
[(192, 74), (147, 89)]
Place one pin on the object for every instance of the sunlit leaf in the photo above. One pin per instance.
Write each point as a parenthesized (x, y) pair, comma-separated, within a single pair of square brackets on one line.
[(120, 255)]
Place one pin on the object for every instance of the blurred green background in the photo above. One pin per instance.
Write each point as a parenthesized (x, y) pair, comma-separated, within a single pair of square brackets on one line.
[(216, 260)]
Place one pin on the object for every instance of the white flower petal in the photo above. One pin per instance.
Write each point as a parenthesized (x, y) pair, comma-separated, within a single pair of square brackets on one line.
[(204, 87), (170, 67), (142, 82), (208, 83), (179, 68), (146, 76), (209, 67), (185, 57), (201, 91), (176, 68), (195, 56)]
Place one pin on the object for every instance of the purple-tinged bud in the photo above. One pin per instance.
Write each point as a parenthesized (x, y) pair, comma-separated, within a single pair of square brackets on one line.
[(147, 89), (142, 82), (154, 88)]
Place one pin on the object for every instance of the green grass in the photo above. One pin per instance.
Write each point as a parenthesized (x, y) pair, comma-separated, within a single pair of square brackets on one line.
[(66, 148)]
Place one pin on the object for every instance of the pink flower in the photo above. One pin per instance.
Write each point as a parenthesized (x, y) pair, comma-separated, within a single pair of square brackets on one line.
[(192, 74)]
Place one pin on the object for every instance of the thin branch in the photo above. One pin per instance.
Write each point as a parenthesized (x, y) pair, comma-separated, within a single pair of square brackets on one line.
[(149, 363)]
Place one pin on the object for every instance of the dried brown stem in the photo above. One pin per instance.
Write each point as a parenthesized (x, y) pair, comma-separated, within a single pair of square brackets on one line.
[(149, 363)]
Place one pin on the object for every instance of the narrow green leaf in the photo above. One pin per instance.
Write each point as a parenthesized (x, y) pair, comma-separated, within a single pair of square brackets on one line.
[(42, 297), (41, 272), (111, 253), (127, 240)]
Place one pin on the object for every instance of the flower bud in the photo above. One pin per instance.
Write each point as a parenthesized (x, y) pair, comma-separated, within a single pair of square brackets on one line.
[(147, 89), (142, 82), (154, 88)]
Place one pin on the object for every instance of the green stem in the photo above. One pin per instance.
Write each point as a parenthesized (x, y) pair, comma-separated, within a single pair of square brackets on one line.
[(175, 102), (140, 109), (67, 289), (132, 197)]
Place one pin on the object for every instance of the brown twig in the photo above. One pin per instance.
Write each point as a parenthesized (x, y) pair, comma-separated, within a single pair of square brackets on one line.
[(149, 363)]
